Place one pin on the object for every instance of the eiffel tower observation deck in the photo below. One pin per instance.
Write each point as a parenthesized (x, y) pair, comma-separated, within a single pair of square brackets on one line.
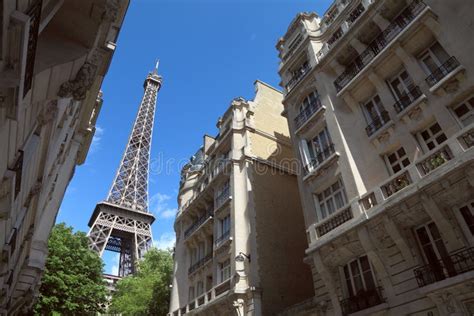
[(122, 223)]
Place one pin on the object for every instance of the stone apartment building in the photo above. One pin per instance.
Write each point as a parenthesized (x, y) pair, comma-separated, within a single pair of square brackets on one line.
[(379, 97), (239, 230), (53, 58)]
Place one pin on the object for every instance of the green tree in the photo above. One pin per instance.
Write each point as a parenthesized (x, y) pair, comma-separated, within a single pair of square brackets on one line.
[(72, 283), (146, 292)]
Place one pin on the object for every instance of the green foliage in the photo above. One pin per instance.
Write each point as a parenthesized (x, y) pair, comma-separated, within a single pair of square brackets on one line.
[(146, 292), (72, 283)]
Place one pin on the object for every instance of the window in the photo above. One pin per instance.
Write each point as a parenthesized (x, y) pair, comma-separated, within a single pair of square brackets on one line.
[(373, 109), (194, 256), (465, 112), (432, 136), (201, 250), (433, 58), (431, 244), (319, 148), (359, 276), (224, 225), (401, 85), (311, 100), (224, 270), (200, 288), (331, 199), (397, 160), (191, 292), (467, 213)]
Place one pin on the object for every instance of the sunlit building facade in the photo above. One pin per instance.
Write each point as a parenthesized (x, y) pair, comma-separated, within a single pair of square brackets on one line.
[(239, 230), (379, 97)]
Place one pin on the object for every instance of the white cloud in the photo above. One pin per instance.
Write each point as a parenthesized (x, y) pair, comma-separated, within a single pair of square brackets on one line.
[(167, 240), (159, 206), (96, 140)]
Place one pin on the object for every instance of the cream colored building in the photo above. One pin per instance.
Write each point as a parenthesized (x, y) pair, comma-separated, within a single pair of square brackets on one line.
[(239, 231), (379, 96), (53, 58)]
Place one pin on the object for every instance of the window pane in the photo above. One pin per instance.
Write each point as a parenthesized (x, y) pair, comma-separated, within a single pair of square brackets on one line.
[(441, 138), (401, 152), (468, 218), (435, 128), (405, 162), (392, 158), (330, 205), (396, 168), (339, 200), (461, 110)]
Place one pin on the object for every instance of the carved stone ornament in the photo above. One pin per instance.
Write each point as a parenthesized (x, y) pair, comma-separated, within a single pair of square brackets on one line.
[(111, 10), (384, 137), (415, 113)]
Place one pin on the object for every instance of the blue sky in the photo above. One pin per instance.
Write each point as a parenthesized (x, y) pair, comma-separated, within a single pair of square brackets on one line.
[(210, 52)]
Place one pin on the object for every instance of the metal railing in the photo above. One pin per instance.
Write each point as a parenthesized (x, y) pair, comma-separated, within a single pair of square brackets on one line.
[(334, 222), (221, 288), (222, 197), (355, 14), (362, 300), (334, 37), (320, 158), (407, 99), (196, 224), (377, 123), (379, 43), (435, 160), (456, 263), (442, 71), (300, 74), (222, 238), (201, 262), (306, 113)]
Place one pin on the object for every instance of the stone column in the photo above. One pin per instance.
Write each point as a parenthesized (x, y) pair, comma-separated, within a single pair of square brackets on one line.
[(384, 92), (411, 65), (394, 233), (328, 280)]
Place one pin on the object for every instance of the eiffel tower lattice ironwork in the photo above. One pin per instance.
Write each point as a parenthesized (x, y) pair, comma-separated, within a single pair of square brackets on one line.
[(122, 223)]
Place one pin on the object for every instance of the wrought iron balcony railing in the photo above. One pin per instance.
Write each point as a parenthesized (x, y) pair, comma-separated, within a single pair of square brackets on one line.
[(320, 158), (300, 74), (407, 99), (221, 288), (442, 71), (377, 123), (223, 196), (335, 221), (222, 238), (306, 113), (196, 224), (379, 43), (362, 300), (355, 14), (201, 262), (457, 263)]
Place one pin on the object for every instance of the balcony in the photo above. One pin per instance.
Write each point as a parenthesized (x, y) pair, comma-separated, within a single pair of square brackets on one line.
[(334, 37), (396, 184), (457, 263), (200, 263), (335, 220), (442, 71), (321, 157), (355, 14), (222, 239), (292, 48), (363, 300), (298, 76), (408, 99), (377, 123), (222, 198), (467, 139), (379, 43), (223, 287), (434, 160), (196, 224), (307, 112)]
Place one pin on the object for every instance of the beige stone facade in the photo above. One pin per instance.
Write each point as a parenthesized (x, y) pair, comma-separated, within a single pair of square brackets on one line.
[(379, 97), (49, 101), (239, 231)]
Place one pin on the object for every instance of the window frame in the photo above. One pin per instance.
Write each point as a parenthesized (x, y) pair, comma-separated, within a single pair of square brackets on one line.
[(379, 108), (348, 291), (432, 241), (318, 202), (224, 269), (462, 221), (432, 138), (436, 59), (406, 87), (399, 160), (470, 113)]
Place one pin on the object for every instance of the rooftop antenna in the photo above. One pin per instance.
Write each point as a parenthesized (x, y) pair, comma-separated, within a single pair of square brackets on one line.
[(156, 66)]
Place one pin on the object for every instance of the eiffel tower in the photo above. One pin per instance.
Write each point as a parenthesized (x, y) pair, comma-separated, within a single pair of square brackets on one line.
[(122, 223)]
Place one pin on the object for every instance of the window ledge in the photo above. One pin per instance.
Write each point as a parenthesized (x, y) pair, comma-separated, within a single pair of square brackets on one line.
[(321, 167), (413, 109), (453, 74), (313, 117), (383, 132)]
